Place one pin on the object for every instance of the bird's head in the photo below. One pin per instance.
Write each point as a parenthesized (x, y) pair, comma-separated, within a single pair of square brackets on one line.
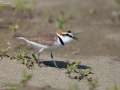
[(66, 36)]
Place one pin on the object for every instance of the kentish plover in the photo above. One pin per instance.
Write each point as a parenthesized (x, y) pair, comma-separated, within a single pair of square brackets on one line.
[(49, 41)]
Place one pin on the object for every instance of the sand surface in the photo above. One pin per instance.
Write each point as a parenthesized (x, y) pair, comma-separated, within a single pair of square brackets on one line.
[(104, 68)]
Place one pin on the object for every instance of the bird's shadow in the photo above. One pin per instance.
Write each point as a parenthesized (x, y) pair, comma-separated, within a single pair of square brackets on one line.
[(62, 64)]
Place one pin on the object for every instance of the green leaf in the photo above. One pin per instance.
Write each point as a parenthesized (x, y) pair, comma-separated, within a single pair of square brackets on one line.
[(16, 26), (33, 55), (73, 64), (92, 11), (29, 77), (118, 2), (23, 53), (15, 4), (30, 63), (68, 68), (68, 62), (70, 14), (11, 27), (90, 70), (118, 13), (6, 49), (47, 14), (1, 7), (1, 48), (29, 10), (26, 77), (78, 63), (18, 4), (95, 81), (24, 74), (85, 73), (13, 88)]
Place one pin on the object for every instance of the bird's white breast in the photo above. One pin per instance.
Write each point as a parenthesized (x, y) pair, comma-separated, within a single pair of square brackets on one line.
[(56, 45)]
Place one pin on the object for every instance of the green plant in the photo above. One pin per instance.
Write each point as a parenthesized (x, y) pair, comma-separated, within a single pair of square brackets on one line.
[(70, 14), (12, 87), (25, 59), (60, 24), (113, 15), (92, 11), (61, 16), (115, 87), (28, 63), (119, 15), (18, 4), (34, 57), (81, 74), (26, 77), (30, 11), (118, 2), (60, 20), (1, 8), (48, 16), (93, 84), (72, 66), (21, 55), (86, 72), (14, 27), (3, 52)]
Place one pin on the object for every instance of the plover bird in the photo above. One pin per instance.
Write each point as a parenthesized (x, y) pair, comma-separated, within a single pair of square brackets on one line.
[(49, 41)]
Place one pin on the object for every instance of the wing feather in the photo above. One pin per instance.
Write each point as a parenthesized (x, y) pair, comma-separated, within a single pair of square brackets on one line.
[(45, 39)]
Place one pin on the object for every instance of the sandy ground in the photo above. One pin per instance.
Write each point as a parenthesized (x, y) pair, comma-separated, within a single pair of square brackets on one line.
[(104, 68), (98, 46)]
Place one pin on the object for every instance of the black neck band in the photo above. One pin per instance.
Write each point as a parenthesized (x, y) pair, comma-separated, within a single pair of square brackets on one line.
[(61, 41)]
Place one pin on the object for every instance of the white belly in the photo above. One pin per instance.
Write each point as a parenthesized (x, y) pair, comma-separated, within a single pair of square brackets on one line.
[(54, 47)]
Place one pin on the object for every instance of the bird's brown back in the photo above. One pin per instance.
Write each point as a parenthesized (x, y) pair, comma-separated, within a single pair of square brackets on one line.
[(45, 39)]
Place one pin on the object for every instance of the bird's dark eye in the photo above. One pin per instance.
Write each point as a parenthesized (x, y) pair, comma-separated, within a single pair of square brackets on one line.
[(69, 31)]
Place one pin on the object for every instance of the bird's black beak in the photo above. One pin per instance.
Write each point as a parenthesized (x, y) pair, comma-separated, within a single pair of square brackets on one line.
[(75, 38)]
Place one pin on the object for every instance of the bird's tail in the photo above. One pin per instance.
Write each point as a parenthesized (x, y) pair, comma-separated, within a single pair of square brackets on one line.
[(17, 36)]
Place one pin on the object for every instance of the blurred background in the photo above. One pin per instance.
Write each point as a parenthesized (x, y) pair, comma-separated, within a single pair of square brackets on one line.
[(96, 23)]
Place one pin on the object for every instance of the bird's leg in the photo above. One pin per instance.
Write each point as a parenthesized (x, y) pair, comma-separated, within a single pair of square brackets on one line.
[(53, 59), (39, 55)]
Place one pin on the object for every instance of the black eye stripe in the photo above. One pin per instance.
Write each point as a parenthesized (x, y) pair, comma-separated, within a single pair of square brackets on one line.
[(67, 35), (63, 34)]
